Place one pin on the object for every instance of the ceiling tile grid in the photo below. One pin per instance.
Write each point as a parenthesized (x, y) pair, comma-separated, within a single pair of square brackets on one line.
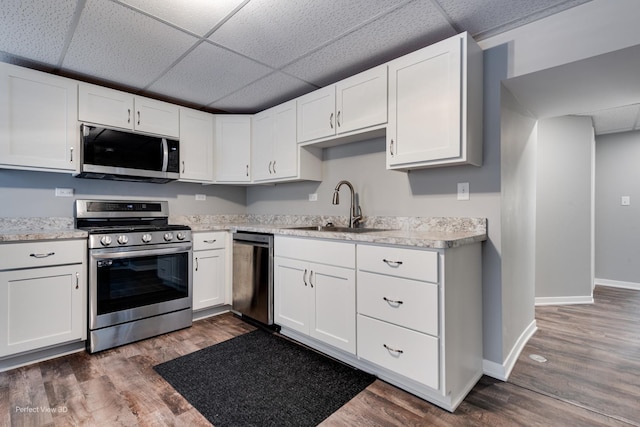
[(619, 119), (207, 74), (394, 34), (35, 30), (277, 32), (198, 17), (117, 44)]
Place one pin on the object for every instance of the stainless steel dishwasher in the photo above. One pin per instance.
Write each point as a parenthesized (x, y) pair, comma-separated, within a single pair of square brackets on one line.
[(253, 276)]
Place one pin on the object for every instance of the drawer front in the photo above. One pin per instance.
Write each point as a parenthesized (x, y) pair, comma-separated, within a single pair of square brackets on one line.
[(406, 352), (209, 240), (42, 253), (408, 263), (403, 302), (319, 251)]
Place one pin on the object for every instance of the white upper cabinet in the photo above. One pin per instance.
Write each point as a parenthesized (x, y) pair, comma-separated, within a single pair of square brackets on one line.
[(196, 145), (435, 106), (232, 148), (353, 104), (38, 120), (100, 105)]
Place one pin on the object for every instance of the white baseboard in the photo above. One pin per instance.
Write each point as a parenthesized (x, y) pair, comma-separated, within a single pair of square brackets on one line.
[(617, 284), (502, 371), (587, 299)]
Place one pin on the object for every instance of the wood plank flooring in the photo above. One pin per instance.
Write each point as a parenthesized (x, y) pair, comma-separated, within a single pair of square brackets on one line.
[(591, 379)]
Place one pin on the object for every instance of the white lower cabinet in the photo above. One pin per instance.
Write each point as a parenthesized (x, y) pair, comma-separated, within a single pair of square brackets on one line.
[(315, 292), (43, 291), (209, 269)]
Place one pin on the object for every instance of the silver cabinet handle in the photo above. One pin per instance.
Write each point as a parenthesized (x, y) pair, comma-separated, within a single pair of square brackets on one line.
[(70, 154), (77, 280), (331, 120), (392, 302), (392, 263), (210, 241), (270, 163), (338, 119), (138, 117), (274, 166), (304, 277), (393, 350), (391, 147), (42, 255), (183, 166), (196, 263), (247, 170), (128, 115), (310, 276)]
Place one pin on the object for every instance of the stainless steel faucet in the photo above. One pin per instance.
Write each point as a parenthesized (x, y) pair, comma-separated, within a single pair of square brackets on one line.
[(355, 214)]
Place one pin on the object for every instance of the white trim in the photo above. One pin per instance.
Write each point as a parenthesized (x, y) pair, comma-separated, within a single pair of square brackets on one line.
[(502, 371), (587, 299), (618, 284), (24, 359)]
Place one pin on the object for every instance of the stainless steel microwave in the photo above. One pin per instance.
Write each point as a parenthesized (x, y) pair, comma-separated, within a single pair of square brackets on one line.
[(126, 156)]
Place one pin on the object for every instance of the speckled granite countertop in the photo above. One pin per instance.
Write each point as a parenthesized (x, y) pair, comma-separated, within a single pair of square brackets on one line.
[(437, 233)]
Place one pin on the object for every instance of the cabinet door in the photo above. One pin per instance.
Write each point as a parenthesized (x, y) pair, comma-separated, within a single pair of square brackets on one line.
[(41, 307), (232, 148), (316, 114), (38, 120), (262, 138), (101, 105), (292, 294), (334, 313), (156, 117), (285, 146), (196, 146), (208, 278), (425, 105), (361, 100)]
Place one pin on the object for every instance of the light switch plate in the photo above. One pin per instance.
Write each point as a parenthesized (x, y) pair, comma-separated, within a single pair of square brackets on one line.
[(463, 191), (625, 201), (201, 197), (64, 192), (313, 197)]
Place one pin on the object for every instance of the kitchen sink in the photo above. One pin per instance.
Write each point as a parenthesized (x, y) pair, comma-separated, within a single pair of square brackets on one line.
[(336, 229)]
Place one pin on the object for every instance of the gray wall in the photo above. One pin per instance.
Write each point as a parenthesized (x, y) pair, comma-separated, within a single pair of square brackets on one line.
[(32, 194), (563, 207), (519, 134), (618, 227)]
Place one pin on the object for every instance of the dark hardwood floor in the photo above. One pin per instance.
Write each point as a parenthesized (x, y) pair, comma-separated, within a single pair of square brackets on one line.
[(591, 378)]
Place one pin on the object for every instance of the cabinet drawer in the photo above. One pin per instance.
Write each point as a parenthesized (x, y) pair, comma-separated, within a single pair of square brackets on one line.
[(42, 253), (404, 302), (209, 240), (408, 263), (408, 353), (319, 251)]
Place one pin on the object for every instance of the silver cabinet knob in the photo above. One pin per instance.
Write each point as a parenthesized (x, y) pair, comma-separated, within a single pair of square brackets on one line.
[(123, 239), (105, 240), (146, 238)]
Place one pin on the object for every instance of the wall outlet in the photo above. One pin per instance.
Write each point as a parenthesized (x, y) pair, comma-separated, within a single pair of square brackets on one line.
[(313, 197), (625, 201), (463, 191), (64, 192), (201, 197)]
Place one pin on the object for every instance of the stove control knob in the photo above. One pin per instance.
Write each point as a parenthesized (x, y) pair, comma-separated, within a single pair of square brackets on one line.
[(123, 239), (105, 240), (181, 235), (168, 236), (146, 238)]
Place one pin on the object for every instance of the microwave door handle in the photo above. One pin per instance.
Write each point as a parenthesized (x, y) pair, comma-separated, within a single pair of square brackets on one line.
[(165, 154)]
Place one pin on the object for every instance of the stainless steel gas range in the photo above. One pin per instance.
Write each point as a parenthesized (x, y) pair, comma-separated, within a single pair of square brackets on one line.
[(140, 282)]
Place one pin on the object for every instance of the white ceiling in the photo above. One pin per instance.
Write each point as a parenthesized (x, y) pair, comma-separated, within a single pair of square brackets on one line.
[(239, 56)]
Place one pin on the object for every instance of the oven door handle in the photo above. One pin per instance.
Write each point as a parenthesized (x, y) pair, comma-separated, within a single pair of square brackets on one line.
[(100, 254)]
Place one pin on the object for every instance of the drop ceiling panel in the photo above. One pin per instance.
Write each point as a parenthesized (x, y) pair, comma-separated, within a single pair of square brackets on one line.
[(264, 93), (207, 74), (487, 17), (386, 38), (117, 44), (276, 32), (198, 17), (619, 119), (35, 30)]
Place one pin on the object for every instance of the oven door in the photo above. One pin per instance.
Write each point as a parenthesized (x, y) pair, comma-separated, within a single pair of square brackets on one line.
[(126, 284)]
